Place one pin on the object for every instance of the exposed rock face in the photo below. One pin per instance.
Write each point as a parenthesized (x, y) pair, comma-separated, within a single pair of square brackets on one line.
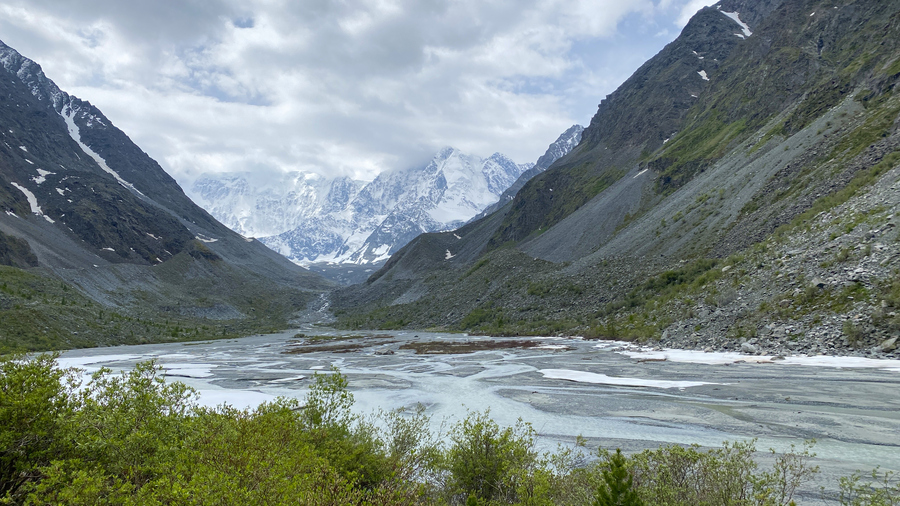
[(564, 144)]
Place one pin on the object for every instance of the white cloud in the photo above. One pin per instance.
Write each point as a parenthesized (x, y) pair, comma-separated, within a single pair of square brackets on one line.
[(691, 8), (350, 87)]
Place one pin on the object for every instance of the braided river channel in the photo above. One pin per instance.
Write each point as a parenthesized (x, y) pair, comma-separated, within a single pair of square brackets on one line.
[(613, 394)]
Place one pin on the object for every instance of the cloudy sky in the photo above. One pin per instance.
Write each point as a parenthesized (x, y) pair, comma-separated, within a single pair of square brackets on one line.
[(348, 87)]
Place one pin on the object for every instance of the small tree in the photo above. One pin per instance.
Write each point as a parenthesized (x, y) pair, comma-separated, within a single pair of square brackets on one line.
[(488, 463), (616, 488)]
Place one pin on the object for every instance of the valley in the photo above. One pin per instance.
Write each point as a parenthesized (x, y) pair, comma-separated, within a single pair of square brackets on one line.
[(715, 257)]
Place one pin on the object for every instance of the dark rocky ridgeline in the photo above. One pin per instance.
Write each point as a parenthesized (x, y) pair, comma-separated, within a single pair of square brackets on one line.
[(736, 190), (84, 204), (565, 143)]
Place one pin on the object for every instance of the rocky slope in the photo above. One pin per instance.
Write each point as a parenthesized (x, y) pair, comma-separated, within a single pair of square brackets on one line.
[(734, 192), (83, 204), (565, 143)]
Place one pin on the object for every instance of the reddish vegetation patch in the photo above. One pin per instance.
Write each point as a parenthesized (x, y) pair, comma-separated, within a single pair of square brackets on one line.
[(459, 347)]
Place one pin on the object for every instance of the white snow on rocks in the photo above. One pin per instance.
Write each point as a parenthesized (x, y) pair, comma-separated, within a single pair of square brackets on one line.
[(202, 238), (449, 255), (703, 75), (735, 16), (32, 201), (602, 379), (42, 176), (68, 114)]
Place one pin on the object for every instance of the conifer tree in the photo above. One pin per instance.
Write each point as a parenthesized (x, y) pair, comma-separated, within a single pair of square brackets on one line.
[(616, 489)]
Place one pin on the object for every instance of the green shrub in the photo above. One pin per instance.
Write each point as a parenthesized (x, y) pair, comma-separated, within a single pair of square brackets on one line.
[(881, 489), (488, 462)]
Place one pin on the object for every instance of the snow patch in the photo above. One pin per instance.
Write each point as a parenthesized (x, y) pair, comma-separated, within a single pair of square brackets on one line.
[(42, 176), (61, 192), (23, 148), (32, 201), (703, 75), (641, 172), (10, 213), (735, 16), (188, 370), (29, 161), (108, 249), (69, 116), (205, 239), (288, 379), (602, 379), (729, 357), (449, 255)]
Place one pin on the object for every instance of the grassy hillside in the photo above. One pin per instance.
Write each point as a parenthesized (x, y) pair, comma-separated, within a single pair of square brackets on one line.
[(39, 312)]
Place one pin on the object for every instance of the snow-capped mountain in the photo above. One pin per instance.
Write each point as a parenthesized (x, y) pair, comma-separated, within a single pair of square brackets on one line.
[(309, 218), (256, 208), (565, 143)]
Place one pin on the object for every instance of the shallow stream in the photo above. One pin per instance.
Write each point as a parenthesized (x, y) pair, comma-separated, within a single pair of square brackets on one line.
[(613, 395)]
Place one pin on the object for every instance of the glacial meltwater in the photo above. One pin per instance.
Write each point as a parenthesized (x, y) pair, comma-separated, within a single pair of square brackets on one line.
[(612, 394)]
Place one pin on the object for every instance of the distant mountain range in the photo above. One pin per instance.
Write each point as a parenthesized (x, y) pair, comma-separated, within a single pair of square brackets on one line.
[(313, 220)]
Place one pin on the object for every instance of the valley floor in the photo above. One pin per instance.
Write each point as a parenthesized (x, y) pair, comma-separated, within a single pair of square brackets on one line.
[(611, 393)]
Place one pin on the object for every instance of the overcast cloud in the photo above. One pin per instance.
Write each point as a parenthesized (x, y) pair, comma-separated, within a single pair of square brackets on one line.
[(339, 86)]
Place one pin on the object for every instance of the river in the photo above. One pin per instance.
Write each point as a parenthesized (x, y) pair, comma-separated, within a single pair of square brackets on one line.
[(613, 395)]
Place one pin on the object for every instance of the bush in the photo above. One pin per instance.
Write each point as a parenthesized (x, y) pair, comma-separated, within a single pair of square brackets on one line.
[(617, 488), (34, 407), (882, 489), (489, 463)]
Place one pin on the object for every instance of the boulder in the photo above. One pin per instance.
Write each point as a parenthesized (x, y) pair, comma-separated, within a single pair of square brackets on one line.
[(748, 349)]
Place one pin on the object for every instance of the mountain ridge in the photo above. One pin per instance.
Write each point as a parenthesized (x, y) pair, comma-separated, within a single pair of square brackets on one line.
[(84, 205), (692, 176)]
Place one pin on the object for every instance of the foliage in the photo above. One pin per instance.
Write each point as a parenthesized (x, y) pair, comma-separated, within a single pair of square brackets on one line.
[(677, 475), (880, 489), (132, 438), (618, 487), (34, 402), (487, 462)]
